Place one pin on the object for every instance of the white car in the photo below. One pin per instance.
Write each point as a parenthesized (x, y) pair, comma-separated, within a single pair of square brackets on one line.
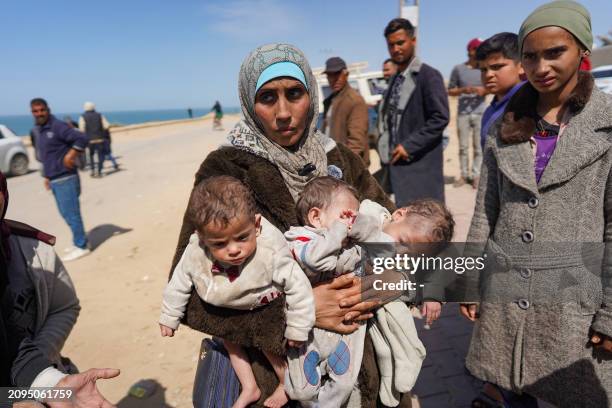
[(603, 78), (13, 154)]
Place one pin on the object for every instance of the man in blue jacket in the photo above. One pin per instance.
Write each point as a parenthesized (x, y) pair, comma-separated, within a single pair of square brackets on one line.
[(416, 113), (58, 147)]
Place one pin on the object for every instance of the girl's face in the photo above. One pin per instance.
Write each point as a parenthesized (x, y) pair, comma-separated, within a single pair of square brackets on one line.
[(551, 57), (282, 108)]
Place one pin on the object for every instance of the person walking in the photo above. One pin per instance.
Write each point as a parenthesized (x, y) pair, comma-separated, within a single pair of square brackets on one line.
[(416, 112), (94, 125), (217, 121), (345, 111), (58, 147), (465, 82)]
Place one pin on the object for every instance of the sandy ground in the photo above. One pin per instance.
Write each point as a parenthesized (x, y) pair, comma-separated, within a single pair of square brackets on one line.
[(133, 218)]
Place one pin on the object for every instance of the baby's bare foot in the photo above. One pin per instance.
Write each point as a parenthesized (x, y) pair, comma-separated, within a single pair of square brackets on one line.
[(247, 397), (278, 399)]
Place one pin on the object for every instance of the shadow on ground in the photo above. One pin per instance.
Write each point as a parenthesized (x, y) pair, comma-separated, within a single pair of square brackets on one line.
[(156, 400), (101, 233)]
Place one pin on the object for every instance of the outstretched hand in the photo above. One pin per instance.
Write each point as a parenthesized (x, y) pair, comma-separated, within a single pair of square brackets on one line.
[(86, 393)]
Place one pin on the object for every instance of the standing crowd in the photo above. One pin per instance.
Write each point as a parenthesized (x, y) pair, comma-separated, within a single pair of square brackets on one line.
[(273, 256)]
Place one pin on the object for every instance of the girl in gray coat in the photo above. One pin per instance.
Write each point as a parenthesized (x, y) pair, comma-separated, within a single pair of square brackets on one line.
[(544, 201)]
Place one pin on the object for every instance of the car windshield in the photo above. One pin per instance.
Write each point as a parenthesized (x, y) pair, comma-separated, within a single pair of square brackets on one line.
[(602, 74)]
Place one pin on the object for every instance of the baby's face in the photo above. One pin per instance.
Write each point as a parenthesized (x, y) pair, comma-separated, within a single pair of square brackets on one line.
[(233, 244), (407, 229), (343, 208)]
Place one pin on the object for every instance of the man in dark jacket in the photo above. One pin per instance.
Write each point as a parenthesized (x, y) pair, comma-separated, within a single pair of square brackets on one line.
[(95, 126), (416, 112), (58, 147), (346, 113)]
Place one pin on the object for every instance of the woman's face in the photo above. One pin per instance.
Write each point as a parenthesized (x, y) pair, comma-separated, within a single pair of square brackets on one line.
[(282, 108), (551, 58)]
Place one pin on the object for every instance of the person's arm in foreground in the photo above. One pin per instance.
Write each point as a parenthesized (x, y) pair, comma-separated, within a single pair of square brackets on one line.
[(602, 325), (485, 216)]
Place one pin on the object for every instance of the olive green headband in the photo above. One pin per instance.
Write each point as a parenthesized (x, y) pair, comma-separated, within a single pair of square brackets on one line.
[(566, 14)]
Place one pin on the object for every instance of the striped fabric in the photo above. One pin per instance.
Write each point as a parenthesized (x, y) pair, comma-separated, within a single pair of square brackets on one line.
[(216, 384)]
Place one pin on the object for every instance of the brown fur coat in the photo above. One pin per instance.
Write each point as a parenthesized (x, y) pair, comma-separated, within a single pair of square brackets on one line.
[(263, 328)]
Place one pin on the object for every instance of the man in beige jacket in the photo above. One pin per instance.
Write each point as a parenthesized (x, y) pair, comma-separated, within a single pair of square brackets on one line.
[(345, 111)]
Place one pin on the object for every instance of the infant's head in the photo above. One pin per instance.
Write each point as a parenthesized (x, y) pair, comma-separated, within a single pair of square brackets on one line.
[(423, 221), (325, 200), (223, 212)]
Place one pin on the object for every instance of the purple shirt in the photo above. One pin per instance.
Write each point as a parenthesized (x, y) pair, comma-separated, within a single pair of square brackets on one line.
[(494, 111), (546, 141)]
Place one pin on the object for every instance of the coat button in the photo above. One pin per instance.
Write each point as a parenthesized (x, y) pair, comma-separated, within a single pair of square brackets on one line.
[(527, 236), (526, 273), (533, 202), (523, 304)]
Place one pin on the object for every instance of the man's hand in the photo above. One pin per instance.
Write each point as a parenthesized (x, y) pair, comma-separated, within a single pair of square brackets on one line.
[(47, 184), (70, 159), (601, 342), (399, 153), (86, 394), (166, 331), (469, 311), (431, 310)]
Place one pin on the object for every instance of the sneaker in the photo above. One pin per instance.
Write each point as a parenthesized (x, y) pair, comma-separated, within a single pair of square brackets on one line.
[(76, 253), (69, 249)]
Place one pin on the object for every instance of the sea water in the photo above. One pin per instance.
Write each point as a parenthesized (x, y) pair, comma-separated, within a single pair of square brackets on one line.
[(22, 124)]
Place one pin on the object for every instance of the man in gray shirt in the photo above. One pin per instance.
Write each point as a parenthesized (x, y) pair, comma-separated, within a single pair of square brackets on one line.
[(466, 84)]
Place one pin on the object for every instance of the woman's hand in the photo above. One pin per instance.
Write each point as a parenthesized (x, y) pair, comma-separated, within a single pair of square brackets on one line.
[(469, 311), (431, 310), (601, 342), (339, 306)]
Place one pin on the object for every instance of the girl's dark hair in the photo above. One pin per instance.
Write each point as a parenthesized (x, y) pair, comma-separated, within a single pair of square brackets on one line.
[(399, 24), (219, 200), (319, 193), (504, 43)]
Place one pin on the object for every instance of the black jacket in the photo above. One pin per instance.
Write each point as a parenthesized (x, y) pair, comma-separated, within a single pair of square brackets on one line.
[(423, 121)]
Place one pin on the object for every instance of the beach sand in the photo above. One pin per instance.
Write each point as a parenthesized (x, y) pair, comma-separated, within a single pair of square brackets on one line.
[(133, 218)]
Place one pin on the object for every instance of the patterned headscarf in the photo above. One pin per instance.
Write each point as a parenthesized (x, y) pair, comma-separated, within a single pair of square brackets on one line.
[(249, 135)]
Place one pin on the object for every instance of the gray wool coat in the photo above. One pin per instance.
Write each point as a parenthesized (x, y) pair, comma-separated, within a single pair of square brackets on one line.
[(543, 296)]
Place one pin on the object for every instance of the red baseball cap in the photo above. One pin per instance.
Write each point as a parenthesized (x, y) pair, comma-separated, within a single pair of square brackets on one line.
[(474, 43)]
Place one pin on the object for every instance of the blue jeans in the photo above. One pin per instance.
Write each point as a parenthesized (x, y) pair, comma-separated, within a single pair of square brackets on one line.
[(67, 191)]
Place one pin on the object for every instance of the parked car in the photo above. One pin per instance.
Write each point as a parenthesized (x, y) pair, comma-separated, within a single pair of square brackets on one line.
[(603, 78), (13, 154)]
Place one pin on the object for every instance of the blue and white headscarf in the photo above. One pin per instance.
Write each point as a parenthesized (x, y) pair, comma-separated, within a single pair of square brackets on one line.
[(263, 65)]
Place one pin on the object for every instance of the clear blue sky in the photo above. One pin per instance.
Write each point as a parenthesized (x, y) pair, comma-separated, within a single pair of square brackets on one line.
[(157, 54)]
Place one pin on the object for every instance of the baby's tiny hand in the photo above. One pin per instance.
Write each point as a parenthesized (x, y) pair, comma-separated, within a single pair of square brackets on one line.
[(348, 216), (166, 331), (295, 343)]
